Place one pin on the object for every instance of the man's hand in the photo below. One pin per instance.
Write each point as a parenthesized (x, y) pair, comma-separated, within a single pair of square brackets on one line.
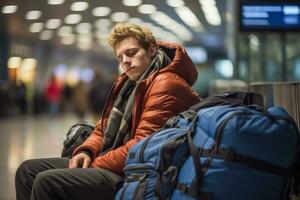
[(81, 160)]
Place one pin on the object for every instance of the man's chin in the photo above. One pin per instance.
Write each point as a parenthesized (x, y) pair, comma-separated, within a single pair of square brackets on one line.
[(133, 77)]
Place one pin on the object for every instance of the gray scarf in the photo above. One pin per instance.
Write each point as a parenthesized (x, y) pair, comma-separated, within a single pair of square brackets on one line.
[(118, 129)]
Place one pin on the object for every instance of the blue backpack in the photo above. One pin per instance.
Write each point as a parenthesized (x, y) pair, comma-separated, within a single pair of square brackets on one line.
[(218, 149)]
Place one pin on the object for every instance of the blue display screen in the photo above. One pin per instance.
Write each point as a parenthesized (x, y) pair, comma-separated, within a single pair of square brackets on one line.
[(269, 16)]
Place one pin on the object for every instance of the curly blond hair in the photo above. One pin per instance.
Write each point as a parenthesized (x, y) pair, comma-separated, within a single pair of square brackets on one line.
[(142, 34)]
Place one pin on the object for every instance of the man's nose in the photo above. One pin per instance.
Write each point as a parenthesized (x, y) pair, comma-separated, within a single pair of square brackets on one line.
[(126, 59), (125, 62)]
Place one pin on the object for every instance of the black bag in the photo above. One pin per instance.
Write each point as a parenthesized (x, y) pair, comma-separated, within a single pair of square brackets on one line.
[(76, 135)]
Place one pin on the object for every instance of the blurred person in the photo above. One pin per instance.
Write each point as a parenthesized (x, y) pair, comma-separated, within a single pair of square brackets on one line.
[(53, 96), (98, 93), (21, 97), (156, 85), (67, 93), (80, 99)]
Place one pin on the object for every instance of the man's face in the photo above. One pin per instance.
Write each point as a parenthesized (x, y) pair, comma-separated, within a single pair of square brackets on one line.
[(133, 58)]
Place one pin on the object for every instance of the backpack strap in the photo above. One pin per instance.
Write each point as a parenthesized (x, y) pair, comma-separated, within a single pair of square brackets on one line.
[(193, 190), (230, 156), (194, 151), (187, 115), (171, 122), (230, 98)]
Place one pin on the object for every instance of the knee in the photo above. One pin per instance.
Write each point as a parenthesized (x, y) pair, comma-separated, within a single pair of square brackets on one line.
[(24, 171), (45, 181)]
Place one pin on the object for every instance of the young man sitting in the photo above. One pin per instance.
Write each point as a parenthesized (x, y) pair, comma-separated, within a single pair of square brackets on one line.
[(156, 85)]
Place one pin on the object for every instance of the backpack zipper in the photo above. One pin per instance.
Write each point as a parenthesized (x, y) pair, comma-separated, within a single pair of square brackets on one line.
[(141, 156)]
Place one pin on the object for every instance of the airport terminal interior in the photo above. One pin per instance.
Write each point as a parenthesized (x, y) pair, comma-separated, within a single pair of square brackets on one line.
[(235, 44)]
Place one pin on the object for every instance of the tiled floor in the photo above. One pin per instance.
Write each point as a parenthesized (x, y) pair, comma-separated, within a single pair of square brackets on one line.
[(27, 137)]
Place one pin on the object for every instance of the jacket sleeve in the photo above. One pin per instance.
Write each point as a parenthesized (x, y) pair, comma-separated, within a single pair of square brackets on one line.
[(166, 98), (93, 143)]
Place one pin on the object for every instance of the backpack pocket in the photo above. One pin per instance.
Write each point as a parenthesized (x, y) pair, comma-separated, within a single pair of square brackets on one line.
[(140, 182)]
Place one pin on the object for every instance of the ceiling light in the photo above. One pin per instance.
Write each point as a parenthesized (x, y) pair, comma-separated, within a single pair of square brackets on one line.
[(79, 6), (36, 27), (160, 32), (207, 2), (135, 20), (197, 54), (55, 2), (132, 2), (28, 64), (119, 16), (65, 31), (72, 19), (68, 40), (211, 13), (146, 9), (84, 39), (46, 35), (213, 18), (101, 11), (53, 23), (175, 3), (107, 47), (168, 36), (83, 28), (84, 43), (224, 67), (149, 25), (34, 14), (254, 41), (87, 34), (161, 18), (189, 17), (14, 62), (84, 47), (101, 34), (102, 23), (181, 31), (9, 9)]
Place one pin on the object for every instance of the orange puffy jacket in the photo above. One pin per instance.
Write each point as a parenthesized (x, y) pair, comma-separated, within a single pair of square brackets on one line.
[(162, 95)]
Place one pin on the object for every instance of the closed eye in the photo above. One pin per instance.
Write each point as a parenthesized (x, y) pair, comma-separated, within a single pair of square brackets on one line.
[(128, 53), (131, 52)]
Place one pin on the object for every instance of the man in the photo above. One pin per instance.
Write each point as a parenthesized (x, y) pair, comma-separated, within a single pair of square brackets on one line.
[(155, 85)]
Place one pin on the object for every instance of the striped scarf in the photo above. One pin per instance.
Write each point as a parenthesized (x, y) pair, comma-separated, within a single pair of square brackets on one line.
[(118, 129)]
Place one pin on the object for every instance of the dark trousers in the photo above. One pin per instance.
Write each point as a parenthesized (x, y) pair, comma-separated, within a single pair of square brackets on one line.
[(50, 178)]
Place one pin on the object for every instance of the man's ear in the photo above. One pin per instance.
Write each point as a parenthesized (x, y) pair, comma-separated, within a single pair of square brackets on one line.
[(152, 50)]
